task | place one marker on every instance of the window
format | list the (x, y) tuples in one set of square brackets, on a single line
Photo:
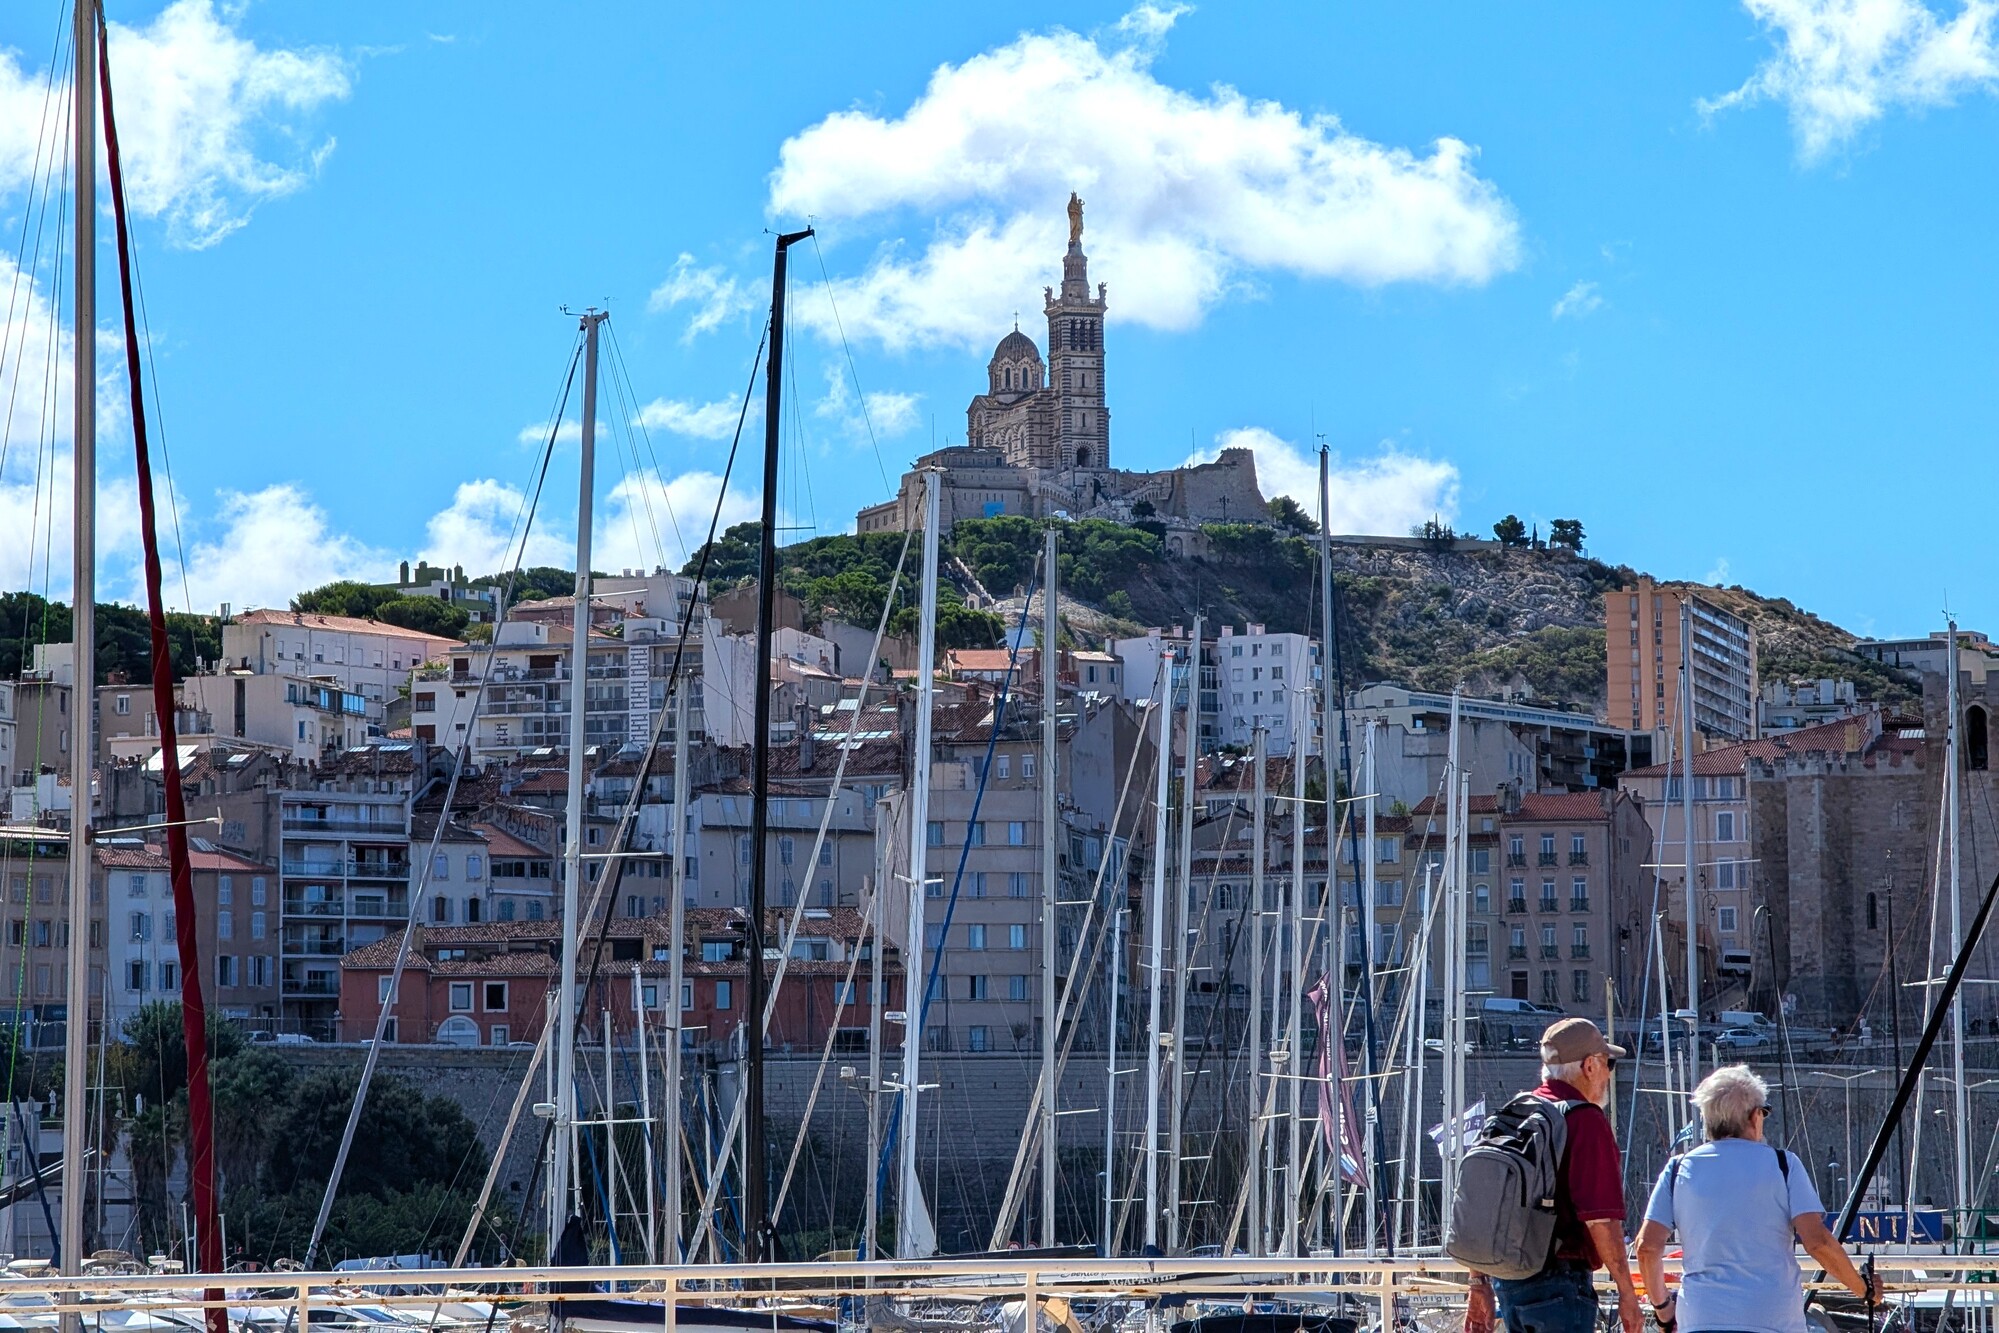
[(1016, 937), (975, 988), (1481, 898), (135, 975), (225, 970), (1004, 767), (461, 997), (1388, 893), (1016, 988), (975, 834), (42, 934), (975, 937), (382, 989), (1551, 992), (440, 910), (137, 888), (475, 866), (1580, 982), (440, 867), (787, 851), (1481, 860), (536, 909), (724, 999), (225, 890), (933, 935), (826, 853), (1388, 850), (258, 891), (979, 1038), (1579, 941), (934, 834), (495, 996), (497, 1035), (1016, 884), (975, 884), (1724, 826), (743, 850), (933, 887), (1547, 895), (260, 969), (1027, 762), (1728, 919), (142, 927), (1724, 875), (1549, 948), (1578, 847), (1579, 894), (686, 996), (1547, 849), (1016, 833)]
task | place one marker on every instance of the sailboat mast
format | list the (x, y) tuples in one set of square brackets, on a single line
[(1110, 1077), (675, 971), (562, 1170), (1960, 1095), (645, 1110), (756, 1213), (1259, 1232), (1368, 896), (1331, 909), (915, 989), (1050, 894), (1291, 970), (1453, 998), (1183, 941), (83, 601), (1692, 870), (1155, 949), (877, 1001)]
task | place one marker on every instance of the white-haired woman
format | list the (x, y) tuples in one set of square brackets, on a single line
[(1741, 1207)]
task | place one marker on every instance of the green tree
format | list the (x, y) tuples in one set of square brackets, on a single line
[(430, 615), (1001, 552), (958, 626), (732, 557), (531, 583), (405, 1138), (344, 597), (1566, 533), (1288, 514), (1510, 531), (1143, 509), (246, 1086)]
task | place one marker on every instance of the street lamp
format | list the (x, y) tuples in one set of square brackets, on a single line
[(1848, 1080)]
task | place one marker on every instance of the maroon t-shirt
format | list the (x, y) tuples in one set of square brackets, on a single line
[(1590, 1179)]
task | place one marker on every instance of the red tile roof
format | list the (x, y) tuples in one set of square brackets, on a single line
[(1847, 735), (344, 624)]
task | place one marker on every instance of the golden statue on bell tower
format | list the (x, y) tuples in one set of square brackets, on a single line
[(1075, 218)]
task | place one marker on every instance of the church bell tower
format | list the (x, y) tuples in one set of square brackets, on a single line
[(1076, 358)]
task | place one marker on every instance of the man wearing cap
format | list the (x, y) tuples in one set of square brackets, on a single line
[(1576, 1065)]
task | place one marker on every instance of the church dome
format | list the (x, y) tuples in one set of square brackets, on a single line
[(1015, 346)]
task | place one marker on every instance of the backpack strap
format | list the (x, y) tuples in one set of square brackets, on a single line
[(1673, 1176), (1783, 1162)]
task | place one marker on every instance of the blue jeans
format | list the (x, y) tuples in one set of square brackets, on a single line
[(1560, 1300)]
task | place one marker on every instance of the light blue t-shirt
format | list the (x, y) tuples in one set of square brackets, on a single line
[(1733, 1208)]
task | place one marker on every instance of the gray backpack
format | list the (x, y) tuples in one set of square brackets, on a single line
[(1502, 1219)]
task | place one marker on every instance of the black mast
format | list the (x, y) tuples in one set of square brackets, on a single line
[(756, 1221)]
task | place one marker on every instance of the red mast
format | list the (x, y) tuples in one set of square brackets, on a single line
[(194, 1011)]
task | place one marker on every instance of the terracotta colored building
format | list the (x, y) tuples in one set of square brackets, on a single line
[(492, 984)]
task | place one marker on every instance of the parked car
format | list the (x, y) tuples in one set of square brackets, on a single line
[(1743, 1039)]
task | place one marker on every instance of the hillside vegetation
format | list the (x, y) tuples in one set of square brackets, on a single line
[(1493, 619)]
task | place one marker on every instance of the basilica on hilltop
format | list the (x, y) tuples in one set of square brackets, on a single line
[(1038, 440)]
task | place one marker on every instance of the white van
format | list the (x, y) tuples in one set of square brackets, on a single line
[(1500, 1006)]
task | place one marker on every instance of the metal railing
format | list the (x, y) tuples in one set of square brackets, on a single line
[(681, 1290)]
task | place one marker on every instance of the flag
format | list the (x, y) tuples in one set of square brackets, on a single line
[(1333, 1083), (1470, 1125)]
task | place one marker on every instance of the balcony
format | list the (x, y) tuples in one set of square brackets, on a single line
[(1578, 951), (1516, 859), (1550, 905), (315, 986), (1516, 951), (1516, 906), (1551, 951), (379, 905), (1578, 858), (315, 948), (379, 870), (1547, 859), (298, 905), (340, 827), (314, 869), (1579, 904)]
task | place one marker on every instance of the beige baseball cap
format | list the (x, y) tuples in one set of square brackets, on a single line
[(1575, 1039)]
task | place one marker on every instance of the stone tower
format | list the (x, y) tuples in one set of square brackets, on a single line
[(1076, 358)]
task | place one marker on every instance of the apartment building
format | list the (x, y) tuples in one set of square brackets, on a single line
[(1642, 661), (34, 950), (1500, 740), (492, 984), (368, 657), (1549, 873), (1250, 678), (236, 935), (305, 716)]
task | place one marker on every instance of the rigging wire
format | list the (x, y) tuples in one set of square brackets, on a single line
[(867, 418)]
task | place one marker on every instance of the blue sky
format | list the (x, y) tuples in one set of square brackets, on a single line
[(1716, 280)]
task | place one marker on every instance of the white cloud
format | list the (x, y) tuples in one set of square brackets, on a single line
[(272, 544), (1840, 65), (699, 421), (648, 521), (1719, 574), (715, 296), (888, 414), (1190, 194), (566, 432), (479, 530), (1386, 495), (211, 124), (1577, 302), (1148, 22)]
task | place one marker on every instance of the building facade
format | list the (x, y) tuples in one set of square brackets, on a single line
[(1642, 662)]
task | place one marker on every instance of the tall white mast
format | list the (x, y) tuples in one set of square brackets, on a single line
[(562, 1169), (83, 602), (1453, 979), (1367, 900), (683, 782), (1692, 872), (1050, 894), (877, 1001), (1291, 969), (1332, 911), (1259, 1231), (1960, 1095), (1111, 1076), (1419, 1059), (651, 1229), (912, 1240), (1155, 932), (1183, 939)]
